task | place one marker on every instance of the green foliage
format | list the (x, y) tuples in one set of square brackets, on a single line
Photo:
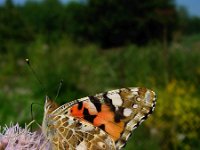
[(107, 23), (13, 28), (187, 24), (193, 25), (87, 70), (114, 23), (176, 120)]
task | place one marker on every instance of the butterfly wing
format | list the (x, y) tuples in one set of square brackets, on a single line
[(116, 112), (66, 132)]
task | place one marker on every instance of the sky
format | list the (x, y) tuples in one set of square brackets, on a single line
[(193, 6)]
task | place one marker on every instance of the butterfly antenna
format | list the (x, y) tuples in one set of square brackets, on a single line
[(60, 85), (35, 75)]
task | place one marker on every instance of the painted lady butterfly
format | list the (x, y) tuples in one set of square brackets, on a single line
[(103, 121)]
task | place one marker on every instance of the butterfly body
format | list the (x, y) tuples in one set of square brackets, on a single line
[(104, 121)]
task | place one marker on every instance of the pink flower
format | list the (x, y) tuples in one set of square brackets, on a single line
[(17, 138)]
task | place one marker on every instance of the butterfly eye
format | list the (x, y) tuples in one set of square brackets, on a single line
[(51, 106)]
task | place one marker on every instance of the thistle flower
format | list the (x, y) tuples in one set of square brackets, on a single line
[(16, 138)]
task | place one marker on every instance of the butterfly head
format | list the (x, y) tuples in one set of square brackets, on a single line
[(50, 105)]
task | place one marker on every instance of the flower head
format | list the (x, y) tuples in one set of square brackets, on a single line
[(15, 137)]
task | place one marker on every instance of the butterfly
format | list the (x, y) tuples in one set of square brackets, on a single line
[(104, 121)]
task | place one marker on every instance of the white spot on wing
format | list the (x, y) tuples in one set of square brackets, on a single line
[(127, 112), (116, 99), (138, 99), (148, 96), (135, 106)]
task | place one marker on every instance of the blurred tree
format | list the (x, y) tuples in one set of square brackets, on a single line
[(13, 27), (108, 23), (193, 26), (188, 24), (183, 17), (115, 23), (9, 4), (76, 21), (46, 17)]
